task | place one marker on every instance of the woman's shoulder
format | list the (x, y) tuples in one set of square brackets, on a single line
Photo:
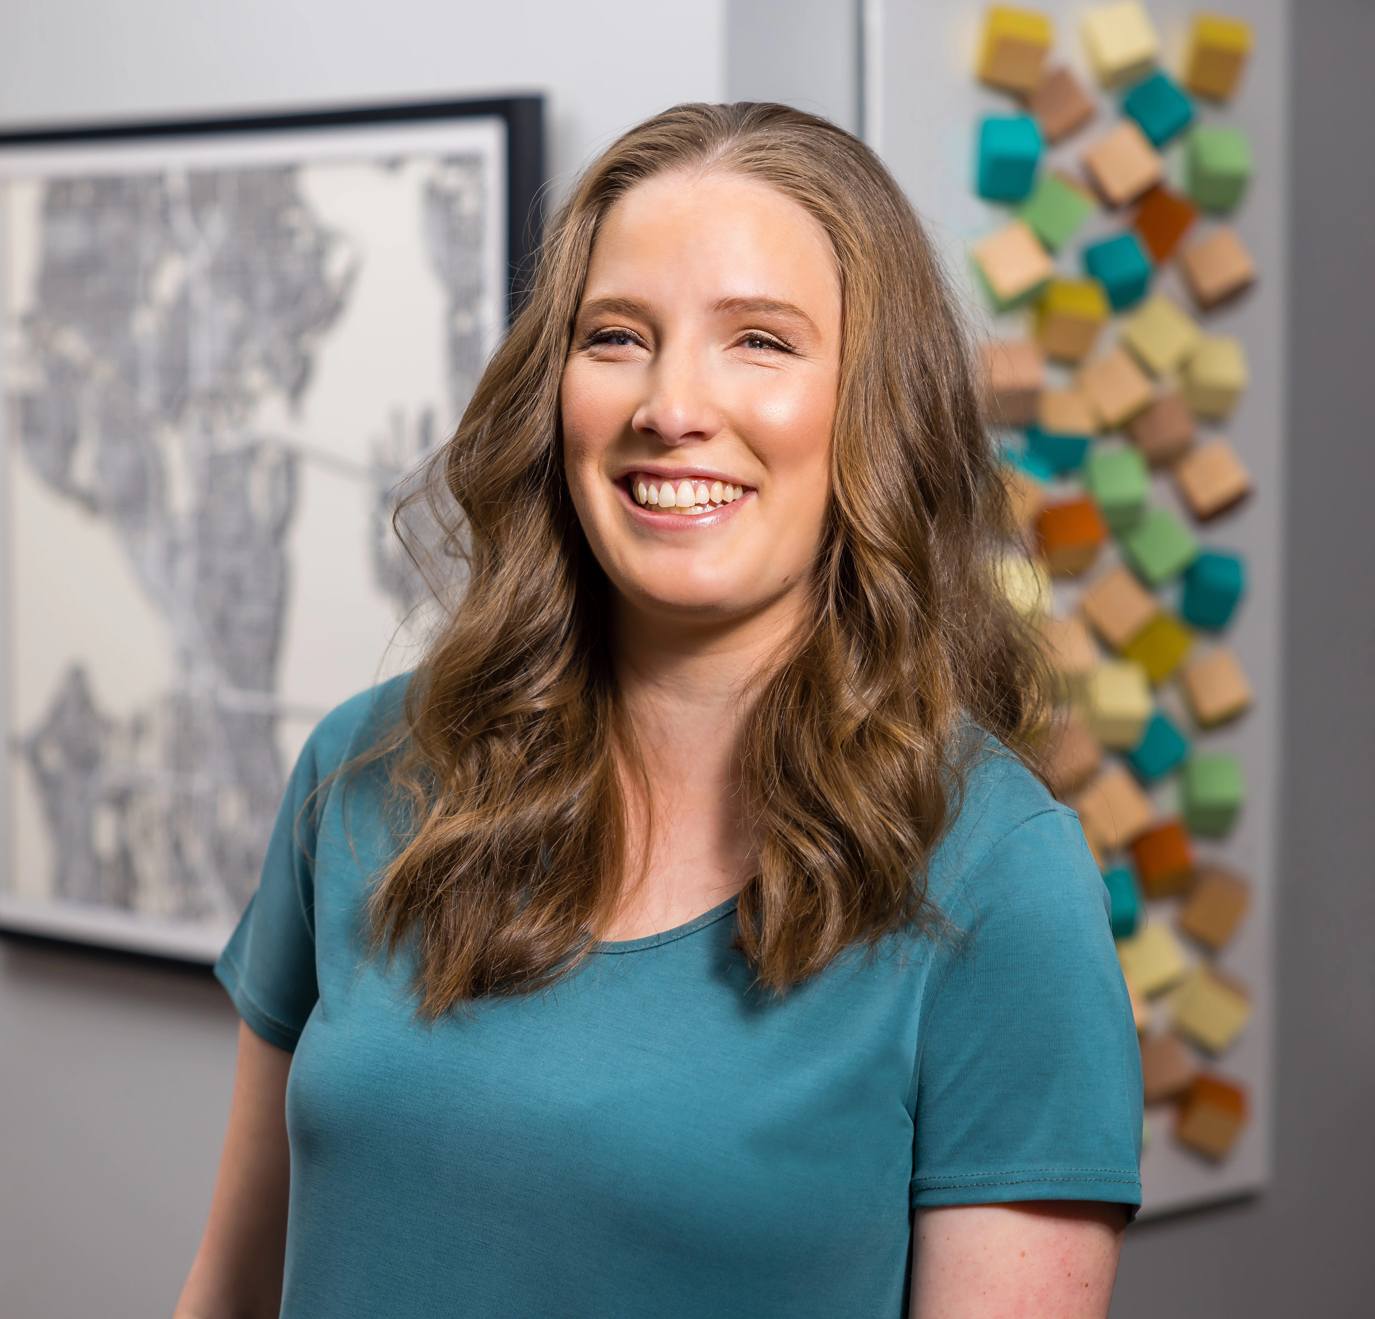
[(356, 726), (1010, 844)]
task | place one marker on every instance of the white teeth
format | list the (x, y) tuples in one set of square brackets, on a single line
[(641, 493), (653, 496), (687, 496), (701, 493), (667, 499), (717, 492)]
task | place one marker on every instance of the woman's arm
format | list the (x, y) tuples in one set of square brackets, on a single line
[(237, 1273), (1045, 1259)]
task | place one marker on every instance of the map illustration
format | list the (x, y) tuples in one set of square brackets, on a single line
[(204, 440)]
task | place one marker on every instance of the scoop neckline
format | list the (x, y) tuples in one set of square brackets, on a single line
[(616, 946)]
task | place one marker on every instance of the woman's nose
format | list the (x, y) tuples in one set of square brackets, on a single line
[(679, 407)]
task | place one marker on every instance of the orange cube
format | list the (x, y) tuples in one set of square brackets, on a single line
[(1212, 1116), (1164, 859), (1161, 221), (1070, 535)]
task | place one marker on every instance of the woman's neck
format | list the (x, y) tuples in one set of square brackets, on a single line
[(686, 691)]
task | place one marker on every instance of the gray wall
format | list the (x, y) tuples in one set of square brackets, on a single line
[(1304, 1248), (115, 1075)]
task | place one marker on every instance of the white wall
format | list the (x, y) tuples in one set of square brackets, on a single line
[(114, 1074), (604, 68)]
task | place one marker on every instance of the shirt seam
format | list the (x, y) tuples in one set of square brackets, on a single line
[(241, 991), (997, 1180), (1007, 1172), (668, 937)]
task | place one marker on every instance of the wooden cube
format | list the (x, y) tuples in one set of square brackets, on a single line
[(1211, 1116), (1013, 375), (1125, 904), (1168, 1068), (1071, 655), (1216, 906), (1152, 960), (1160, 335), (1159, 107), (1141, 1010), (1212, 479), (1118, 607), (1015, 42), (1213, 791), (1216, 688), (1118, 703), (1161, 220), (1217, 268), (1164, 431), (1012, 264), (1123, 164), (1025, 496), (1211, 1009), (1065, 412), (1026, 583), (1161, 750), (1116, 476), (1121, 42), (1069, 317), (1164, 858), (1009, 150), (1072, 755), (1213, 587), (1060, 104), (1116, 388), (1070, 535), (1216, 55), (1113, 809), (1160, 647), (1120, 263), (1159, 547), (1218, 166), (1215, 377)]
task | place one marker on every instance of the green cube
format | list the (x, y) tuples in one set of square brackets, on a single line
[(1213, 790), (1159, 547), (1119, 483), (1218, 167), (1056, 209)]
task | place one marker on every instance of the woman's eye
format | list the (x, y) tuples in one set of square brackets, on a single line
[(611, 339), (758, 341)]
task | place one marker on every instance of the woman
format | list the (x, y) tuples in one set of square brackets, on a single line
[(685, 936)]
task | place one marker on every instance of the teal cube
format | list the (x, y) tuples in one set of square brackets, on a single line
[(1061, 453), (1122, 266), (1213, 585), (1159, 547), (1162, 749), (1030, 462), (1056, 209), (1125, 902), (1009, 148), (1217, 167), (1213, 791), (1159, 107), (1119, 483)]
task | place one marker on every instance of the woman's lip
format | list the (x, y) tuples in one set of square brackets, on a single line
[(693, 474)]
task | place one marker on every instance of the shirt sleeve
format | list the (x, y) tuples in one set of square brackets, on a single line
[(1028, 1082), (268, 965)]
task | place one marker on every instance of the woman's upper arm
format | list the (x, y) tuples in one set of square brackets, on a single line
[(1050, 1259), (237, 1272)]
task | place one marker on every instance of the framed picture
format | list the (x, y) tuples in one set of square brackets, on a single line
[(224, 345)]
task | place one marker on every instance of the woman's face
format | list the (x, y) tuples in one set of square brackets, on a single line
[(703, 375)]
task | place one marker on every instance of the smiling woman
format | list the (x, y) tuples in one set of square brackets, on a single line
[(688, 935)]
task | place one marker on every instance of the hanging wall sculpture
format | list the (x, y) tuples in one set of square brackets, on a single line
[(224, 345), (1118, 380)]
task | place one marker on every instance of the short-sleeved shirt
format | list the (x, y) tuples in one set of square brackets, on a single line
[(653, 1135)]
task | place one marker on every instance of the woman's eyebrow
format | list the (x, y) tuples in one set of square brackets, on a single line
[(765, 306), (614, 306)]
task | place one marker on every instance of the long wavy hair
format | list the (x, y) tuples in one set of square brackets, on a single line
[(508, 761)]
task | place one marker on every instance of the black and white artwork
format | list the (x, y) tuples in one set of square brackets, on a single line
[(222, 352)]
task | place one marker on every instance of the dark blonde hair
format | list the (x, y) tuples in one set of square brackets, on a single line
[(516, 855)]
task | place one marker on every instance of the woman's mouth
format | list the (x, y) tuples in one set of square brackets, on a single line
[(689, 495)]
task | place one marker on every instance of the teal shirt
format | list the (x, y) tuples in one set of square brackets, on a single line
[(652, 1136)]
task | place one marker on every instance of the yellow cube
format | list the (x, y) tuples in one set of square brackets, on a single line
[(1026, 583), (1161, 336), (1015, 45), (1118, 703), (1152, 960), (1215, 376), (1121, 42), (1069, 316), (1217, 53), (1211, 1010), (1160, 647)]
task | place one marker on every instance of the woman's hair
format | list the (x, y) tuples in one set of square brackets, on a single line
[(516, 852)]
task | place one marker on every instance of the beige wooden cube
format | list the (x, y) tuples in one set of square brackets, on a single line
[(1071, 655), (1119, 607), (1164, 431), (1123, 164), (1116, 388), (1217, 904), (1215, 376), (1013, 263), (1161, 336), (1216, 688), (1212, 479), (1217, 268), (1118, 703), (1211, 1009), (1153, 960), (1113, 809), (1072, 754), (1065, 412), (1014, 373), (1060, 104), (1167, 1068)]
